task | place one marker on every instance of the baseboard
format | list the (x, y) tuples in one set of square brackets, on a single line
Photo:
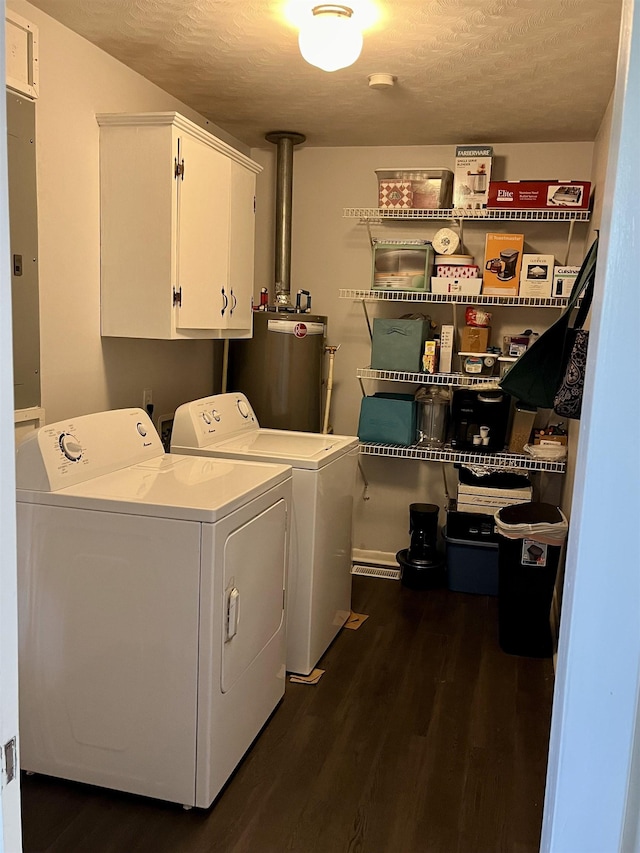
[(374, 558)]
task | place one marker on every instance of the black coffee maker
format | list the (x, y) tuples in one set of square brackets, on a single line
[(479, 420), (421, 566)]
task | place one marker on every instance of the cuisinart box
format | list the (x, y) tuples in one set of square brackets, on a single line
[(539, 194), (536, 275), (471, 176), (563, 280)]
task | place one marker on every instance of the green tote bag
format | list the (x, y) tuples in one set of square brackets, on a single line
[(536, 376)]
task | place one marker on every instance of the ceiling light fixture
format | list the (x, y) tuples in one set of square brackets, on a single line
[(330, 39)]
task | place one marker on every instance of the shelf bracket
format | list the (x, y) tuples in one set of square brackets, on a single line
[(569, 239), (362, 388), (366, 317), (368, 224)]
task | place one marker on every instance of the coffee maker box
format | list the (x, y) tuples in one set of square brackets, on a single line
[(471, 176), (502, 264), (536, 276), (563, 280)]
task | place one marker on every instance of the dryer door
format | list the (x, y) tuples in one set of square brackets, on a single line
[(254, 581)]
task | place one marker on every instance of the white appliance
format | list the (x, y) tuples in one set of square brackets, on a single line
[(319, 589), (151, 607)]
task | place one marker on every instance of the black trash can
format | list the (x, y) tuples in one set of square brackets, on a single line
[(529, 545)]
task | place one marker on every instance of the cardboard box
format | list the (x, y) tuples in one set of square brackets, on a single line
[(543, 437), (457, 270), (475, 338), (431, 357), (502, 264), (471, 176), (465, 286), (402, 265), (446, 348), (522, 494), (398, 344), (388, 419), (522, 195), (536, 275), (563, 280)]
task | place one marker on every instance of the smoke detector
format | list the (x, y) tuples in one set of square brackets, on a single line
[(381, 81)]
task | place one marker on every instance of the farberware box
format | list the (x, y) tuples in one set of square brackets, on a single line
[(519, 195), (471, 176)]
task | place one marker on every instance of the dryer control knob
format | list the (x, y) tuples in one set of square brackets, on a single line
[(70, 447), (206, 417), (243, 408), (215, 415), (141, 429)]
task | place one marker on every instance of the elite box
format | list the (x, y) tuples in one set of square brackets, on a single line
[(544, 195)]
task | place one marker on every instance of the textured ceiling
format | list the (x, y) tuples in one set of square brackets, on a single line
[(467, 70)]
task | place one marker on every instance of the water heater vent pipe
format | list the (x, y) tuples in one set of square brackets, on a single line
[(284, 141)]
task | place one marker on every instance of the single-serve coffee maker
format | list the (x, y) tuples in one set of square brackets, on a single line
[(479, 420), (421, 564), (505, 266)]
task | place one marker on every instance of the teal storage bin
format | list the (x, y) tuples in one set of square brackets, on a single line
[(399, 344), (388, 419)]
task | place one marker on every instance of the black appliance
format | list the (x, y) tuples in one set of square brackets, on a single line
[(479, 420), (421, 566)]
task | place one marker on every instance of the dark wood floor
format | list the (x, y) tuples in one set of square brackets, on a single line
[(422, 736)]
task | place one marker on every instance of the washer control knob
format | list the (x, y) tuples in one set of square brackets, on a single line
[(243, 409), (206, 417), (141, 429), (215, 414), (70, 447)]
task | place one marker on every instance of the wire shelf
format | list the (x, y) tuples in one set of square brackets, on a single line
[(446, 454), (375, 214), (425, 378), (447, 298)]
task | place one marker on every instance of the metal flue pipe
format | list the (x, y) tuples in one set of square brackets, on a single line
[(284, 140)]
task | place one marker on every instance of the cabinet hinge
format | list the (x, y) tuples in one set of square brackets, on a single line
[(177, 296), (179, 169)]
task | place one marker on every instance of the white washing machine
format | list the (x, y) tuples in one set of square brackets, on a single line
[(151, 607), (319, 590)]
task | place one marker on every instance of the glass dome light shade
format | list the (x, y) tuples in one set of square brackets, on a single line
[(331, 39)]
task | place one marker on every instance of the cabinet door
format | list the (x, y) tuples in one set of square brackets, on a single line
[(203, 235), (242, 236)]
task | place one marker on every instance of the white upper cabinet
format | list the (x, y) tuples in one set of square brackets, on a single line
[(177, 230)]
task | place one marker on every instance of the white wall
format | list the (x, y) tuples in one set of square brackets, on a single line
[(330, 253), (81, 372)]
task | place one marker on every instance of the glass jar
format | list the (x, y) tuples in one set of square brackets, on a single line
[(433, 416)]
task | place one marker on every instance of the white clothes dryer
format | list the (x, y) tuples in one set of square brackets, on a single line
[(319, 590), (151, 607)]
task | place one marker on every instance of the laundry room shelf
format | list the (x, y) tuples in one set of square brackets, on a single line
[(375, 214), (448, 298), (446, 454), (445, 379)]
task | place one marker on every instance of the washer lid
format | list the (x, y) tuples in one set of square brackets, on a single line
[(192, 488), (299, 449)]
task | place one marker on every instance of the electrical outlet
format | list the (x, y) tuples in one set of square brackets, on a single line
[(147, 398)]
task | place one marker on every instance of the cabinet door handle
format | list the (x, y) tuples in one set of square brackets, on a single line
[(225, 302), (234, 302)]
